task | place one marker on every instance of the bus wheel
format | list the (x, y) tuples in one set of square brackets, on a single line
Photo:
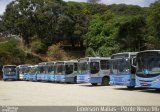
[(130, 87), (105, 81), (4, 79), (94, 84)]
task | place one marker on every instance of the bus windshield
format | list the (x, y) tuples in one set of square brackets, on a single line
[(83, 67), (94, 67), (120, 66), (59, 68), (41, 69), (51, 69), (123, 66), (148, 64), (68, 69), (9, 69), (22, 70), (27, 70), (33, 70)]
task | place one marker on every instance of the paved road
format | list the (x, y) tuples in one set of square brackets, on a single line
[(21, 93)]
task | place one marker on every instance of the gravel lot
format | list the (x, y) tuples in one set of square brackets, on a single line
[(21, 93)]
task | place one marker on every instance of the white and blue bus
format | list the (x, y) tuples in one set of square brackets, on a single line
[(9, 72), (59, 71), (49, 76), (43, 70), (71, 71), (66, 71), (121, 70), (99, 70), (148, 69), (21, 70), (26, 73), (83, 70), (32, 75)]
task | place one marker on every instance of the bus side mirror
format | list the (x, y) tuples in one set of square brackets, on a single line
[(134, 62)]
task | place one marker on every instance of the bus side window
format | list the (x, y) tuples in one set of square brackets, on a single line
[(104, 64)]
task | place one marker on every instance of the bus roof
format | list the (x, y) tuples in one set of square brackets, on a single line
[(123, 55), (51, 63), (69, 61), (42, 63), (149, 51), (126, 53), (94, 58), (9, 66), (24, 65)]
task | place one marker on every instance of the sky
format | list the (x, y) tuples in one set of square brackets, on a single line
[(142, 3)]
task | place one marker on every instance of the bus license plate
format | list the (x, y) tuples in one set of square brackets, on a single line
[(144, 84)]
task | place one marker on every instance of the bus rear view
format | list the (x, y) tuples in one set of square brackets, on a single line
[(148, 69), (9, 72)]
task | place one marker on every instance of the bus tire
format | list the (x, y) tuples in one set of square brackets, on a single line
[(94, 84), (130, 87), (4, 79), (105, 81)]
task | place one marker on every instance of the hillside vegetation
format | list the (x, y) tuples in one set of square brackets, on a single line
[(58, 30)]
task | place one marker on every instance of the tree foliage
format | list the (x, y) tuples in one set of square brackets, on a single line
[(153, 29), (101, 29)]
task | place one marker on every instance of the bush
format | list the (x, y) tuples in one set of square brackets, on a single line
[(10, 54), (56, 52), (89, 52), (32, 59), (37, 46)]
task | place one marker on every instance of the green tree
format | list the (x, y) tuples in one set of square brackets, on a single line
[(153, 23), (102, 33), (122, 9), (131, 33), (8, 50)]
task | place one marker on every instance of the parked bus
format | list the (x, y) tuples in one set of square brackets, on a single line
[(83, 69), (9, 72), (43, 69), (148, 69), (99, 70), (20, 71), (122, 72), (59, 71), (32, 75), (71, 71), (49, 76), (66, 71), (26, 73)]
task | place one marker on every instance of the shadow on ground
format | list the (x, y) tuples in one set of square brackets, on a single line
[(140, 89)]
